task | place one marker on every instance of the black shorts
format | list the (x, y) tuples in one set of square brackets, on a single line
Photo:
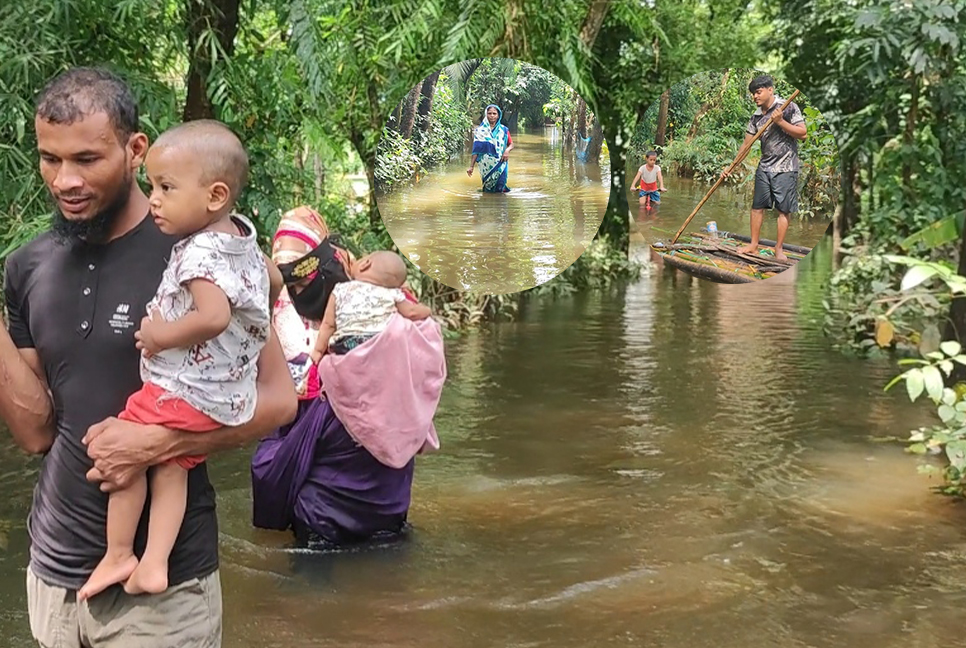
[(776, 191)]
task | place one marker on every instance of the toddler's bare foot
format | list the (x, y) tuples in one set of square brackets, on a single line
[(111, 570), (148, 578)]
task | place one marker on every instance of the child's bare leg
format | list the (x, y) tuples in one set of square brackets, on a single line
[(123, 512), (169, 494)]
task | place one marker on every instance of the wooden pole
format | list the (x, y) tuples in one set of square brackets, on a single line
[(742, 154)]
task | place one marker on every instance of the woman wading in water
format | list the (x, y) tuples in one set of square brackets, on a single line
[(491, 147)]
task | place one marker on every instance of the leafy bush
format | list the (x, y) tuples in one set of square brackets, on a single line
[(949, 435)]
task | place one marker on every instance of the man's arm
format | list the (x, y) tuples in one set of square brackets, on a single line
[(25, 401), (25, 404), (799, 131), (121, 449), (275, 281)]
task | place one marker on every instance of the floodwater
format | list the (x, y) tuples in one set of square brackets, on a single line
[(729, 207), (671, 463), (501, 243)]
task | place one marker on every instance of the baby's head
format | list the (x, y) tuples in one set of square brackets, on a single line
[(197, 171), (382, 268)]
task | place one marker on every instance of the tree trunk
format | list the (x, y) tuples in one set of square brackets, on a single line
[(616, 224), (222, 16), (596, 142), (908, 140), (848, 214), (593, 22), (426, 100), (660, 137), (409, 111), (581, 118), (956, 327), (706, 106)]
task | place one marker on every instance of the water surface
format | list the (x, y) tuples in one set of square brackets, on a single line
[(673, 463), (501, 243), (729, 207)]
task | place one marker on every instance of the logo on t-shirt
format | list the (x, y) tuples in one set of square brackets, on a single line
[(121, 320)]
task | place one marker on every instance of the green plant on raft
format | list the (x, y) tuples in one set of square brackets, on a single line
[(949, 436)]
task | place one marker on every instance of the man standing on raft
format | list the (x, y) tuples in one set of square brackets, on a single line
[(776, 179)]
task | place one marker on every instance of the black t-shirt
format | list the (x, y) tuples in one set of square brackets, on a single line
[(79, 305)]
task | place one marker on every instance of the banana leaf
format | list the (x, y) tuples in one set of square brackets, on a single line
[(939, 233)]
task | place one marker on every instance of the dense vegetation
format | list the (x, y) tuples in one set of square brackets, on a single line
[(434, 121), (890, 77), (311, 84), (699, 125)]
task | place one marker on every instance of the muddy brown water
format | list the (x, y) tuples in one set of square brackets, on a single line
[(672, 463), (501, 243)]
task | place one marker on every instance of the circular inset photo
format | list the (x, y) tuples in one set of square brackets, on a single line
[(733, 176), (492, 176)]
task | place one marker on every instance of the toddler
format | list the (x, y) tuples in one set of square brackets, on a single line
[(200, 341), (361, 308), (650, 176)]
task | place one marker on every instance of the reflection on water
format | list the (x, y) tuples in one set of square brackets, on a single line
[(495, 243), (728, 206), (675, 463)]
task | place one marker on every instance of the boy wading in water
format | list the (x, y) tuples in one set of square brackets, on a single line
[(650, 176), (200, 342), (776, 179)]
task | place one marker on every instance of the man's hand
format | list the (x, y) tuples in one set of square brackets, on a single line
[(146, 336), (123, 450), (779, 117)]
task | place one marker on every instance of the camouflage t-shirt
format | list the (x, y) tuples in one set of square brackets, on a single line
[(779, 150)]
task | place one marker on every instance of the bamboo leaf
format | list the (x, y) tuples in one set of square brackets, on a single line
[(917, 275)]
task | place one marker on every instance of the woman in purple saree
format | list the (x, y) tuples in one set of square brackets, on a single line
[(311, 476)]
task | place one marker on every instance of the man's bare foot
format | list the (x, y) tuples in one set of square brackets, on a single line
[(748, 249), (781, 256), (109, 571), (147, 579)]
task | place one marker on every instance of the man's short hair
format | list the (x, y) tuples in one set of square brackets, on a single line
[(221, 155), (763, 81), (83, 91)]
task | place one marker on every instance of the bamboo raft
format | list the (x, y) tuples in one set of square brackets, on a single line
[(716, 257)]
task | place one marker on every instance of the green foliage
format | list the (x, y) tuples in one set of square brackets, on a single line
[(600, 266), (310, 84), (820, 178), (524, 92), (891, 75), (707, 116), (949, 435), (874, 304)]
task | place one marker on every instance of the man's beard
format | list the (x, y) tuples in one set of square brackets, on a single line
[(96, 228)]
